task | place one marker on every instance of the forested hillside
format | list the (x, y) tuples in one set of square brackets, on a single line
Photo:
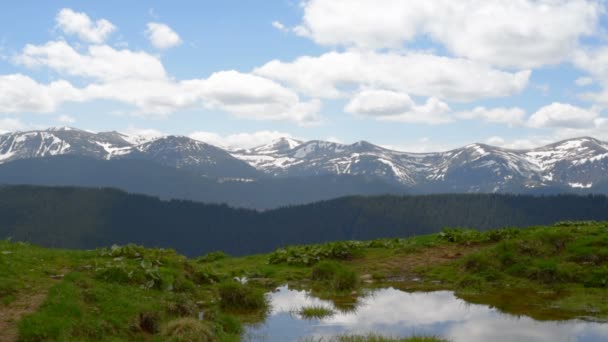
[(88, 218)]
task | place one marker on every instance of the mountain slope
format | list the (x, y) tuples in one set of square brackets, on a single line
[(149, 177), (177, 152)]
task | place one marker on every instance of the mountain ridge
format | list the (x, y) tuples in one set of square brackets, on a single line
[(571, 164)]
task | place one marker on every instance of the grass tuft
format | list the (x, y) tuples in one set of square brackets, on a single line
[(315, 312), (187, 330), (241, 297)]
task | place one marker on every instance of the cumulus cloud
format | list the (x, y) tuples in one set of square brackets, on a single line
[(11, 125), (380, 103), (81, 25), (521, 33), (255, 97), (583, 81), (99, 62), (140, 79), (392, 106), (22, 94), (333, 74), (239, 140), (279, 26), (595, 62), (162, 36), (495, 141), (66, 119), (510, 116), (562, 115)]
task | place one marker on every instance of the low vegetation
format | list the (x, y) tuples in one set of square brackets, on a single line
[(315, 312), (136, 293), (335, 276), (236, 296)]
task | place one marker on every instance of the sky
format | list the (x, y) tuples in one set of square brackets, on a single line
[(418, 75)]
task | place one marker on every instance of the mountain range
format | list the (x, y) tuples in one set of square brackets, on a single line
[(280, 171)]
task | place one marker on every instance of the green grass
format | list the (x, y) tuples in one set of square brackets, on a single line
[(136, 293), (315, 312), (567, 261), (235, 296)]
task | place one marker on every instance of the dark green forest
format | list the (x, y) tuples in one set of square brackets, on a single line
[(69, 217)]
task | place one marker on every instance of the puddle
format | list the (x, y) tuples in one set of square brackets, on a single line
[(401, 314)]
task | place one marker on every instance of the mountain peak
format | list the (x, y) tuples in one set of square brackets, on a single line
[(277, 146)]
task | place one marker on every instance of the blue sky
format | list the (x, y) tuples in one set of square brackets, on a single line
[(417, 76)]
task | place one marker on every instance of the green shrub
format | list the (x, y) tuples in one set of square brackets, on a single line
[(545, 271), (325, 270), (476, 263), (205, 276), (502, 234), (311, 254), (230, 324), (237, 296), (212, 256), (461, 236), (338, 277), (597, 277), (345, 279)]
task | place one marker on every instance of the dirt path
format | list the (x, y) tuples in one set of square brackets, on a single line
[(405, 265), (12, 313)]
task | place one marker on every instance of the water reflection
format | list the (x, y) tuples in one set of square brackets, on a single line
[(397, 313)]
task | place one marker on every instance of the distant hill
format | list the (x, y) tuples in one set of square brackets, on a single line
[(87, 218)]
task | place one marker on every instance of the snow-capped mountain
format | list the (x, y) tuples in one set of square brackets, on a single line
[(573, 164), (178, 152), (60, 141)]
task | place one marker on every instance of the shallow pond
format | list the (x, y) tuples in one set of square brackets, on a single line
[(397, 313)]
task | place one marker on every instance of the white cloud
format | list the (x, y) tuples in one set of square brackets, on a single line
[(239, 140), (392, 106), (11, 125), (595, 62), (100, 62), (139, 79), (380, 103), (510, 116), (519, 33), (20, 93), (561, 115), (423, 145), (66, 119), (495, 141), (583, 81), (335, 74), (162, 36), (80, 24), (279, 26), (254, 97)]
